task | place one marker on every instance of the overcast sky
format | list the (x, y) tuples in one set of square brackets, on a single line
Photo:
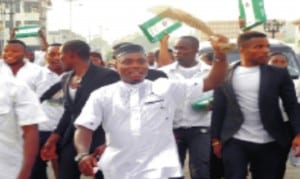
[(115, 18)]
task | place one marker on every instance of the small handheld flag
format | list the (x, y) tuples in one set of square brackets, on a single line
[(157, 27), (190, 20), (27, 31), (252, 12), (205, 103)]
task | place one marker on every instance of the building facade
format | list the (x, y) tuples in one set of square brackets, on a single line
[(63, 35), (16, 13), (297, 34)]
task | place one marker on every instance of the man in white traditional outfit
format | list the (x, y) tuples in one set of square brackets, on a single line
[(14, 64), (136, 115), (20, 112)]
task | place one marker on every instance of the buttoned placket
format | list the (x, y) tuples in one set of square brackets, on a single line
[(135, 110)]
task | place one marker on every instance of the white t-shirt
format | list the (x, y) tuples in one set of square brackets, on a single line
[(139, 131), (246, 81), (19, 106), (185, 115)]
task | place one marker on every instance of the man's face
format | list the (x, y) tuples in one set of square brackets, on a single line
[(184, 51), (13, 54), (255, 51), (132, 67), (151, 58), (66, 59), (279, 61), (96, 60), (53, 57), (29, 55)]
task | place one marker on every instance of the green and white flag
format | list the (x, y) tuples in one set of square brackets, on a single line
[(252, 12), (27, 31), (157, 27)]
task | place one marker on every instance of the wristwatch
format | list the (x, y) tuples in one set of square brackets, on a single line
[(79, 156)]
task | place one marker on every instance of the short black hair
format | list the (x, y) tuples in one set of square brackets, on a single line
[(79, 47), (96, 54), (15, 41), (192, 39), (55, 45), (249, 35), (156, 53), (209, 56), (278, 53)]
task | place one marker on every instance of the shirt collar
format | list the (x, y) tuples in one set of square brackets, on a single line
[(201, 65), (128, 86)]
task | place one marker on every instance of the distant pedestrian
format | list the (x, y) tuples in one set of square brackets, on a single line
[(96, 58)]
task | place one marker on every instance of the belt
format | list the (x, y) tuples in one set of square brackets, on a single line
[(201, 128)]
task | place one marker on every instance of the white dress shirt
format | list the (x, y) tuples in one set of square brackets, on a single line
[(185, 115), (52, 107), (19, 106), (35, 76), (137, 120), (39, 79)]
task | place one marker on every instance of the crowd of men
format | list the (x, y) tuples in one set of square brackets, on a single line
[(130, 121)]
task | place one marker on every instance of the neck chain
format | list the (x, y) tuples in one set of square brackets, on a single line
[(77, 79)]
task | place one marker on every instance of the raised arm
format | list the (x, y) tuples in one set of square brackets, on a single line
[(12, 34), (44, 43), (163, 56), (219, 66)]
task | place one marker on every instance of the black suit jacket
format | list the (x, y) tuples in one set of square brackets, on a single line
[(152, 75), (94, 78), (155, 74), (275, 83)]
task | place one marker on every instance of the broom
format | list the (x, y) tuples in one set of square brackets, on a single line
[(190, 20)]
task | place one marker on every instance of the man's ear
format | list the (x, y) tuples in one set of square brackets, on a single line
[(72, 55), (241, 49), (116, 65)]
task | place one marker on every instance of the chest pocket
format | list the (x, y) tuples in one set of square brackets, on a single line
[(155, 107)]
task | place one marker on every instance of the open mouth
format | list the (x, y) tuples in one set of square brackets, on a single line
[(136, 74), (9, 59)]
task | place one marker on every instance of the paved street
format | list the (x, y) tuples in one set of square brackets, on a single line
[(291, 173)]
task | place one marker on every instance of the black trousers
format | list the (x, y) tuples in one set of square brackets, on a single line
[(216, 167), (39, 170), (196, 141), (266, 161), (67, 167)]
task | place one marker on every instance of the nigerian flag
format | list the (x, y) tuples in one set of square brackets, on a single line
[(252, 12), (156, 28), (27, 31)]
